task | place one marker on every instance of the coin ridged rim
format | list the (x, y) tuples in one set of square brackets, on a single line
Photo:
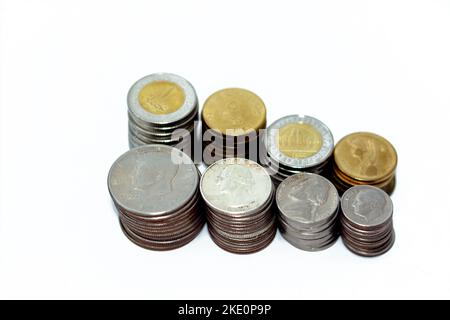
[(351, 218), (134, 106), (322, 155), (186, 160)]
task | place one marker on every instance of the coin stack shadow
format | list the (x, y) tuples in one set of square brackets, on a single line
[(364, 158), (158, 201), (296, 144), (162, 109), (231, 122), (366, 219), (239, 206), (308, 210)]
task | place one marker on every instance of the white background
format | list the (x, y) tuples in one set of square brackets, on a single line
[(66, 67)]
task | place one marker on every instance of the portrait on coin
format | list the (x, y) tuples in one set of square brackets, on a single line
[(236, 185), (148, 177), (306, 197), (367, 153), (369, 204)]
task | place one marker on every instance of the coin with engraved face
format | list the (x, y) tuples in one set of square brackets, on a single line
[(307, 198), (152, 180), (366, 206), (234, 112), (365, 157), (236, 186), (299, 142)]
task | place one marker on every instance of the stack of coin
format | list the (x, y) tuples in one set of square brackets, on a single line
[(232, 119), (162, 109), (239, 198), (308, 207), (367, 227), (155, 191), (364, 158), (297, 144)]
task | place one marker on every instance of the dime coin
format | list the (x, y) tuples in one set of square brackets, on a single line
[(366, 220)]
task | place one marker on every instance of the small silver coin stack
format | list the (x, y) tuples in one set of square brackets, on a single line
[(162, 109), (155, 191), (367, 225), (297, 144), (239, 196), (308, 206)]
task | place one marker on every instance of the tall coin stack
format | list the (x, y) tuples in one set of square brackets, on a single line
[(364, 158), (239, 197), (297, 144), (367, 226), (155, 191), (308, 207), (232, 120), (162, 109)]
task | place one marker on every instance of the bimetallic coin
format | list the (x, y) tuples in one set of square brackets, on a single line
[(299, 142), (236, 186), (161, 98), (234, 111)]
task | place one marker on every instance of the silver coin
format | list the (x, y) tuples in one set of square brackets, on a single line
[(366, 206), (271, 143), (153, 180), (307, 198), (138, 112), (312, 247), (235, 186)]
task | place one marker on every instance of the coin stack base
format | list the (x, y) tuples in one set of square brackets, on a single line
[(239, 196), (367, 225), (308, 207)]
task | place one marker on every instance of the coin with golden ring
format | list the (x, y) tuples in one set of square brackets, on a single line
[(234, 111), (162, 99), (299, 142), (365, 156)]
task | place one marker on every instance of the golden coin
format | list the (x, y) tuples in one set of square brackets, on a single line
[(161, 97), (234, 112), (299, 140), (348, 180), (365, 157)]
